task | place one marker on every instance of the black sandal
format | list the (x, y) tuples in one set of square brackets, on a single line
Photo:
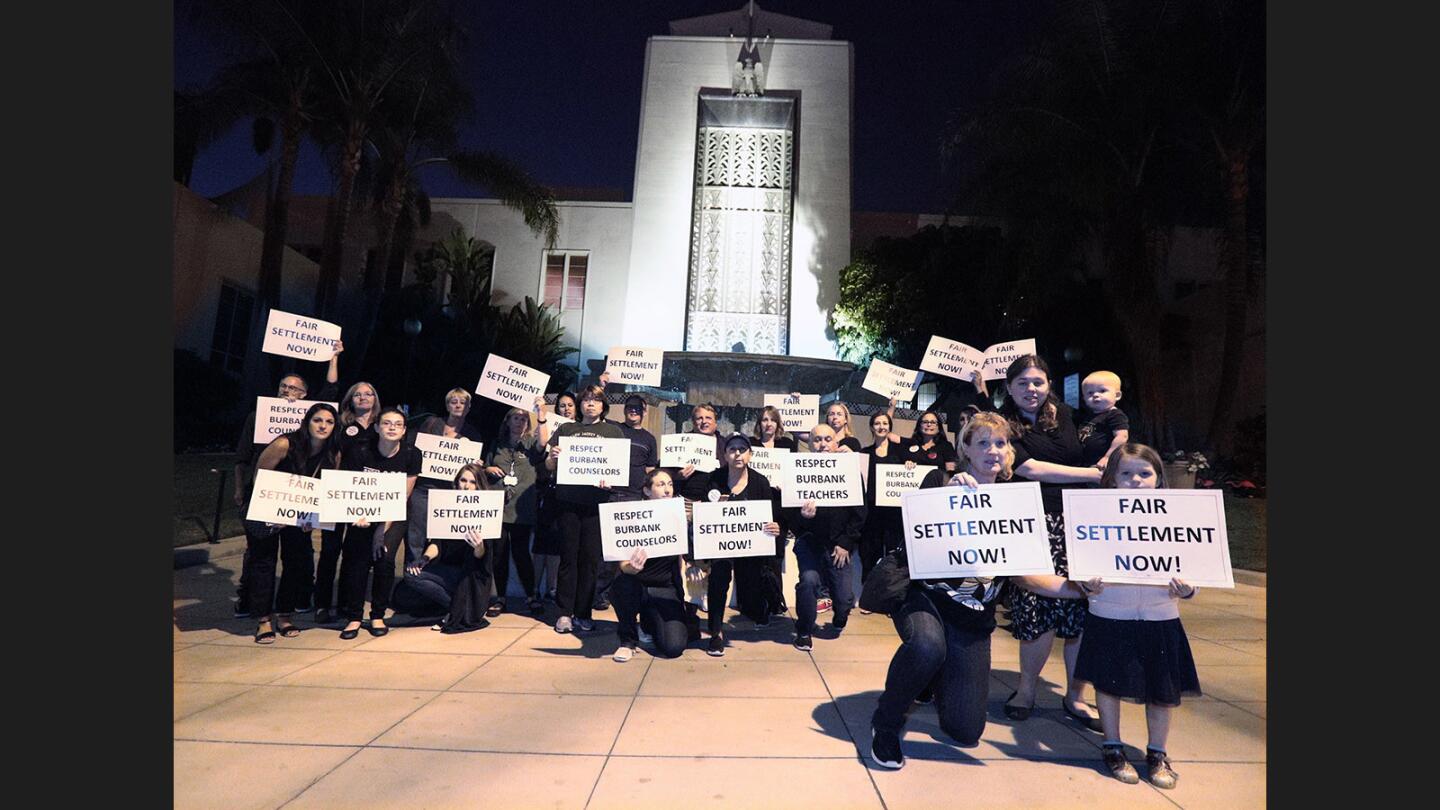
[(288, 630), (495, 609), (1017, 712), (267, 637)]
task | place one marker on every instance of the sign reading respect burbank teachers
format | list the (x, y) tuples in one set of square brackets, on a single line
[(510, 382), (441, 458), (588, 462), (275, 416), (347, 496), (1148, 536), (828, 479), (451, 513), (303, 338), (986, 531), (732, 529), (656, 526)]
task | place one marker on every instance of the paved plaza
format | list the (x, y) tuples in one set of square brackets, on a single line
[(517, 716)]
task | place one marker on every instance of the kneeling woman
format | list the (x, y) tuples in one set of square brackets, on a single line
[(452, 578), (945, 625), (650, 587)]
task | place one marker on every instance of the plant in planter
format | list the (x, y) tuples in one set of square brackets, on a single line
[(1181, 468)]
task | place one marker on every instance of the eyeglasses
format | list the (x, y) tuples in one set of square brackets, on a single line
[(390, 423), (296, 388)]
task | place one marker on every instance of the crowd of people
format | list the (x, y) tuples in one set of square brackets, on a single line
[(1124, 640)]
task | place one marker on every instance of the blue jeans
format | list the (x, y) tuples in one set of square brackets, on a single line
[(934, 652), (817, 567)]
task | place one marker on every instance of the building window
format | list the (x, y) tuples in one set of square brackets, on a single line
[(564, 284), (232, 328), (925, 395)]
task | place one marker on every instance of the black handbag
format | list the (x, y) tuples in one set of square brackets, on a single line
[(885, 588)]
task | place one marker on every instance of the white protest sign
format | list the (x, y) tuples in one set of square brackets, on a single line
[(296, 336), (828, 479), (732, 529), (1148, 536), (894, 480), (797, 414), (891, 381), (766, 461), (951, 358), (442, 458), (634, 365), (510, 382), (347, 496), (992, 530), (1001, 355), (679, 449), (555, 420), (275, 416), (657, 526), (290, 500), (587, 462), (453, 512)]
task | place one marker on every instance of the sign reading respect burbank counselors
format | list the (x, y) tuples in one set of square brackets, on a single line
[(304, 338), (510, 382), (286, 499), (991, 530), (828, 479), (679, 449), (588, 462), (454, 512), (347, 496), (732, 529), (894, 480), (797, 414), (1148, 536), (441, 458), (634, 365), (275, 416), (656, 526)]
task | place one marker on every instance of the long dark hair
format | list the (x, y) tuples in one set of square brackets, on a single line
[(941, 439), (1048, 417), (299, 439)]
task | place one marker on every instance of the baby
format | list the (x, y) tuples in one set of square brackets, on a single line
[(1105, 427)]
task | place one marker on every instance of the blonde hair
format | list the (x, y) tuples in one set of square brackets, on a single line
[(845, 431), (992, 424), (502, 437), (458, 392), (1101, 377), (347, 405)]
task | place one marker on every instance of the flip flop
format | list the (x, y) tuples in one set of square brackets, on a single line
[(267, 637)]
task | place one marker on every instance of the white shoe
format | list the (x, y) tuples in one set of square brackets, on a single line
[(564, 625), (624, 653)]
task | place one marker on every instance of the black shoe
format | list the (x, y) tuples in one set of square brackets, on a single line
[(804, 642), (1092, 723), (601, 604), (377, 631), (1017, 712), (885, 749), (926, 697), (717, 646), (242, 609), (349, 634)]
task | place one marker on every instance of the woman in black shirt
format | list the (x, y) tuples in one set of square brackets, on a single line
[(452, 576), (929, 446), (355, 431), (770, 430), (883, 529), (651, 586)]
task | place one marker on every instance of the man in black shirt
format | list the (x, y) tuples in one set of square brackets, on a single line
[(825, 536), (644, 457)]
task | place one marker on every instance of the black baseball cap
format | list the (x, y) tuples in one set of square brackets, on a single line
[(737, 437)]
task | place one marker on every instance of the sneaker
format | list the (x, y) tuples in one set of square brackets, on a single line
[(242, 609), (803, 642), (1119, 766), (584, 625), (717, 646), (1161, 775), (624, 653), (564, 625), (822, 605), (885, 749)]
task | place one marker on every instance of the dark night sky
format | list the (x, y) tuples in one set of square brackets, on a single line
[(557, 87)]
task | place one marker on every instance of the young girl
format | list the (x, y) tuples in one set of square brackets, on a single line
[(1135, 648), (651, 585)]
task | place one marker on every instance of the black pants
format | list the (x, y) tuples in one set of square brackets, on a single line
[(330, 543), (580, 558), (296, 557), (513, 543), (884, 531), (756, 589), (358, 562), (936, 653), (663, 611)]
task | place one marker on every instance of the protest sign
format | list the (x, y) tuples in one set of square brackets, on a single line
[(453, 512), (1148, 536), (657, 526), (555, 420), (891, 381), (275, 416), (302, 338), (991, 530), (679, 449), (999, 357), (766, 461), (894, 480), (951, 358), (286, 499), (347, 496), (633, 365), (797, 414), (511, 383), (441, 458), (587, 461), (732, 529), (828, 479)]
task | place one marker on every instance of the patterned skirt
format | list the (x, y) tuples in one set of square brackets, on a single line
[(1031, 615)]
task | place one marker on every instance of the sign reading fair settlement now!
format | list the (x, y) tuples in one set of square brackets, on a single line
[(286, 499), (797, 414), (999, 357), (347, 496), (732, 529), (891, 381), (657, 526), (988, 531), (1148, 536), (510, 382), (894, 480), (828, 479), (454, 512), (767, 461), (295, 336), (275, 416), (679, 449), (587, 462), (441, 458), (634, 365)]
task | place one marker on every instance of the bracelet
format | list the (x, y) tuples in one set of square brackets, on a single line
[(539, 421)]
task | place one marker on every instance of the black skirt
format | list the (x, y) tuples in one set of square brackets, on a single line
[(472, 596), (1138, 661)]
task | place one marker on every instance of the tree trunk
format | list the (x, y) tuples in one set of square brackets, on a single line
[(337, 223), (377, 269), (1236, 298), (1133, 253)]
